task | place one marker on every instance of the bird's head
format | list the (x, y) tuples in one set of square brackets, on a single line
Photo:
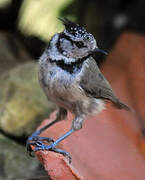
[(75, 42)]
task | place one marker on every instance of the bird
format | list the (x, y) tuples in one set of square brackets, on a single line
[(71, 78)]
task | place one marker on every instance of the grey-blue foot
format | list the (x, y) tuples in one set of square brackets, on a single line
[(35, 140), (39, 144)]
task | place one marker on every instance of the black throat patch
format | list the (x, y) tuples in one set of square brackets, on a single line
[(72, 67)]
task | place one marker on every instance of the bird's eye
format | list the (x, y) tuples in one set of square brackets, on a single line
[(79, 44)]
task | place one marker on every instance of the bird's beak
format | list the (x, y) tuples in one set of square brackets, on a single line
[(99, 50)]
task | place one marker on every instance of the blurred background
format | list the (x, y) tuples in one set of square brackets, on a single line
[(26, 27)]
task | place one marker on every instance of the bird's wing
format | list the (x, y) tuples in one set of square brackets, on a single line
[(95, 85)]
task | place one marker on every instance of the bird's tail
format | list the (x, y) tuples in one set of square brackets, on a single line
[(121, 105)]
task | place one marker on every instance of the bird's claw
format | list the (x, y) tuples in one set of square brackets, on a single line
[(39, 145), (51, 147), (64, 153), (36, 141)]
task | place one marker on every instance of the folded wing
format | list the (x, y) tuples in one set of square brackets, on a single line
[(95, 85)]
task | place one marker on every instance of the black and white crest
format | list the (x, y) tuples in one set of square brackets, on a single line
[(75, 29)]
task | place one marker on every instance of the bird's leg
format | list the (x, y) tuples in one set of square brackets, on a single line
[(35, 138), (76, 125)]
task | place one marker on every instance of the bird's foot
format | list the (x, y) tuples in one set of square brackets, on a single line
[(34, 140), (37, 141)]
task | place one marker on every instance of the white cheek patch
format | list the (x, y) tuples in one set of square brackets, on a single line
[(65, 44), (55, 54)]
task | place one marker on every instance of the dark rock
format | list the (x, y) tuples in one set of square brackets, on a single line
[(15, 163), (12, 52)]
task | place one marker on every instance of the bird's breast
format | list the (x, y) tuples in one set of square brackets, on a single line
[(63, 88), (59, 85)]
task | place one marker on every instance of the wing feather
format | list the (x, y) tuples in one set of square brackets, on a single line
[(95, 84)]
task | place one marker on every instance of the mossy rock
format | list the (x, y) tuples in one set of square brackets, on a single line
[(23, 104), (15, 163)]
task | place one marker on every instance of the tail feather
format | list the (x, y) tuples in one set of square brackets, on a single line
[(121, 105)]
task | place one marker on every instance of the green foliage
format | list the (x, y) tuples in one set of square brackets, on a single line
[(39, 18), (4, 3)]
